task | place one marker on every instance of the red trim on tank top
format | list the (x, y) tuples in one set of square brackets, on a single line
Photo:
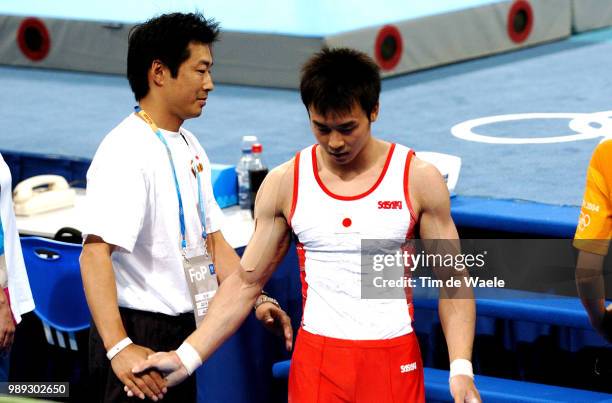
[(413, 217), (296, 184), (315, 168), (301, 255)]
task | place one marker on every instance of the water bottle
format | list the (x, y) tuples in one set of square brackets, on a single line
[(257, 172), (242, 172)]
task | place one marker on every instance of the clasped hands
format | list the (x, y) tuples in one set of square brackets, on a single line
[(147, 374)]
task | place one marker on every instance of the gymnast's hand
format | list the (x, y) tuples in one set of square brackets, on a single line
[(168, 363), (463, 390), (276, 321)]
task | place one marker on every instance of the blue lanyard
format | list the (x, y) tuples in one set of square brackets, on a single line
[(196, 168)]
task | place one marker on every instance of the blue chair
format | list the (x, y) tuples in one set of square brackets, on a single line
[(55, 280)]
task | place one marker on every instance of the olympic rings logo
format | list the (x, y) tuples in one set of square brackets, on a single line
[(584, 221), (586, 126)]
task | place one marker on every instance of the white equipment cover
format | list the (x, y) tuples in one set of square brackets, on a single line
[(591, 14), (274, 59)]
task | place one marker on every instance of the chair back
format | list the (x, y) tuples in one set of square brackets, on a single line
[(55, 280)]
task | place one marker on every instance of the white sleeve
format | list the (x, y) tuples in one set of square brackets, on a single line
[(116, 198), (18, 283), (214, 216)]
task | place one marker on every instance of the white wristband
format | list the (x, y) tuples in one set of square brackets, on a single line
[(189, 357), (116, 349), (461, 366)]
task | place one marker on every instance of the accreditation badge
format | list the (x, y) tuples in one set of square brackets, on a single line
[(202, 280)]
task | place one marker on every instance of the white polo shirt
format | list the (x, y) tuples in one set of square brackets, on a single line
[(18, 284), (132, 203)]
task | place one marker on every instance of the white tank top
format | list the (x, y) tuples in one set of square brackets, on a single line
[(329, 229)]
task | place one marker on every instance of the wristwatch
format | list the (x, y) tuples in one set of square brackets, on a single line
[(263, 298)]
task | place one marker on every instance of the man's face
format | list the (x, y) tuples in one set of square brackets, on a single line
[(187, 93), (342, 136)]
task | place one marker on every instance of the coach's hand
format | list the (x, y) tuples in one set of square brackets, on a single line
[(463, 390), (149, 383), (277, 321)]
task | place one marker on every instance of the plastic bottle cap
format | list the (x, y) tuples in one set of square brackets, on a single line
[(257, 148)]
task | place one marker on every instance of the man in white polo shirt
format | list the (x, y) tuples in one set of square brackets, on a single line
[(152, 221)]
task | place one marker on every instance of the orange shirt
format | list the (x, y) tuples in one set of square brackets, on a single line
[(594, 229)]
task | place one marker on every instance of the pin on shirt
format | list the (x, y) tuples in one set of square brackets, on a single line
[(196, 164)]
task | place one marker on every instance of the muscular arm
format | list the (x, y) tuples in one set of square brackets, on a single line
[(457, 312), (271, 316), (457, 315), (236, 295), (238, 292)]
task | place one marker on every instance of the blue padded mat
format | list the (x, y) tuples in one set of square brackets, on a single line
[(69, 113), (508, 391), (515, 216), (491, 389)]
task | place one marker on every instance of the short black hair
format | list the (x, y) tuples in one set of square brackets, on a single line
[(165, 38), (333, 80)]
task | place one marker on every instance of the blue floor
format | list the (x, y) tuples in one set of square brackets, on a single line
[(69, 113), (299, 17)]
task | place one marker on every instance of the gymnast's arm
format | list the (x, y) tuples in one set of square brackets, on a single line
[(457, 312), (238, 292)]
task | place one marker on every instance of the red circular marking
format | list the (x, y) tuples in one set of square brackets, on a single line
[(388, 31), (45, 45), (517, 7), (347, 222)]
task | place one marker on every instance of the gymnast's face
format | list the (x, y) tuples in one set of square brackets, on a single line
[(186, 94), (342, 136)]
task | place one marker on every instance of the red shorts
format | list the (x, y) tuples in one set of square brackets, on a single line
[(324, 370)]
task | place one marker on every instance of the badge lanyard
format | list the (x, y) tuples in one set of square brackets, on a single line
[(199, 270), (145, 116)]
